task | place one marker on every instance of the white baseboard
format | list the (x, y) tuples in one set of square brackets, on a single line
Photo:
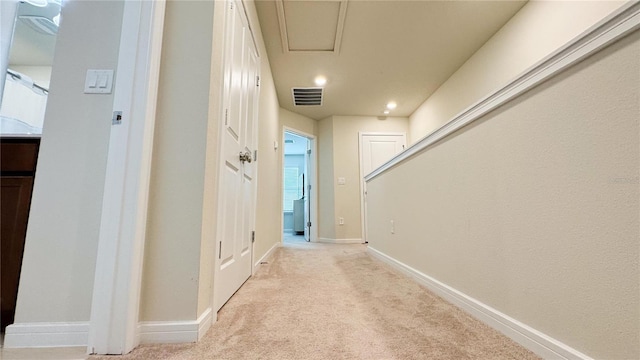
[(265, 257), (57, 334), (340, 241), (532, 339), (157, 332)]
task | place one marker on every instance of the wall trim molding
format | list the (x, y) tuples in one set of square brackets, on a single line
[(265, 257), (543, 345), (50, 334), (610, 29), (339, 241), (116, 294), (157, 332)]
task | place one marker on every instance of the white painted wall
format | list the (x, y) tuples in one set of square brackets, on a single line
[(170, 281), (269, 197), (326, 182), (538, 29), (60, 251), (180, 248), (533, 209), (298, 122), (339, 157)]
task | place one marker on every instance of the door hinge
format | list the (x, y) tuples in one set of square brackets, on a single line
[(309, 224), (253, 236), (258, 80), (255, 155), (309, 152), (231, 5), (226, 117), (220, 250)]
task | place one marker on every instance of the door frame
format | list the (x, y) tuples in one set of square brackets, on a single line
[(312, 169), (113, 326), (363, 184)]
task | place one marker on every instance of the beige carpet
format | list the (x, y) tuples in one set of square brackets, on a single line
[(325, 301)]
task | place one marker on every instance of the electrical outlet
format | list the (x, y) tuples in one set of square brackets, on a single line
[(393, 227), (341, 221)]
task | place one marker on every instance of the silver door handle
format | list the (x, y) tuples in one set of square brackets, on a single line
[(245, 157)]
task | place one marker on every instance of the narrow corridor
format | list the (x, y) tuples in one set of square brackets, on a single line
[(327, 301)]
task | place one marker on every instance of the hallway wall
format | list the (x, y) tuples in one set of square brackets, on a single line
[(537, 30), (269, 199), (533, 209), (181, 234), (170, 283), (326, 183), (56, 283), (340, 157), (297, 122)]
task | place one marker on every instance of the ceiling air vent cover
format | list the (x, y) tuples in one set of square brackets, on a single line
[(311, 96)]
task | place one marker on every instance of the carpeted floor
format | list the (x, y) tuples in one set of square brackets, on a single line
[(325, 301)]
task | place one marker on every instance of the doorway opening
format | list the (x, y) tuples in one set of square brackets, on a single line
[(297, 185)]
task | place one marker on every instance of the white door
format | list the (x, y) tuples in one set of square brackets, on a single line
[(238, 171), (375, 150)]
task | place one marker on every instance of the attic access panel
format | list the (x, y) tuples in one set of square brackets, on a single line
[(311, 26)]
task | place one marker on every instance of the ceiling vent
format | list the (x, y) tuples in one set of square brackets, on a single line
[(311, 96)]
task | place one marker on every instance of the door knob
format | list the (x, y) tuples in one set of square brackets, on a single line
[(245, 157)]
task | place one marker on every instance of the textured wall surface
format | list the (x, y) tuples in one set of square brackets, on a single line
[(56, 283), (340, 157), (533, 210), (172, 248), (538, 29)]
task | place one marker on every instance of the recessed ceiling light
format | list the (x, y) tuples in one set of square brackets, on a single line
[(392, 105), (320, 80), (386, 112)]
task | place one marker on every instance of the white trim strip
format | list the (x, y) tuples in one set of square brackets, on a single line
[(158, 332), (35, 335), (339, 241), (532, 339), (609, 30), (118, 271)]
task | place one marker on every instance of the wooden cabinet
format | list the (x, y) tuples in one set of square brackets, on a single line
[(18, 157)]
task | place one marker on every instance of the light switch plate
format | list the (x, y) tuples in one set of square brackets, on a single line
[(342, 181), (98, 82)]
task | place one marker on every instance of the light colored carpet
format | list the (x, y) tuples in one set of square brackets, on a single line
[(326, 301)]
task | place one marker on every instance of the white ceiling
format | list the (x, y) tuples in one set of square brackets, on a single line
[(396, 50)]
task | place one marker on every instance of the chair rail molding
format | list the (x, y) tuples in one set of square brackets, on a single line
[(610, 29)]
